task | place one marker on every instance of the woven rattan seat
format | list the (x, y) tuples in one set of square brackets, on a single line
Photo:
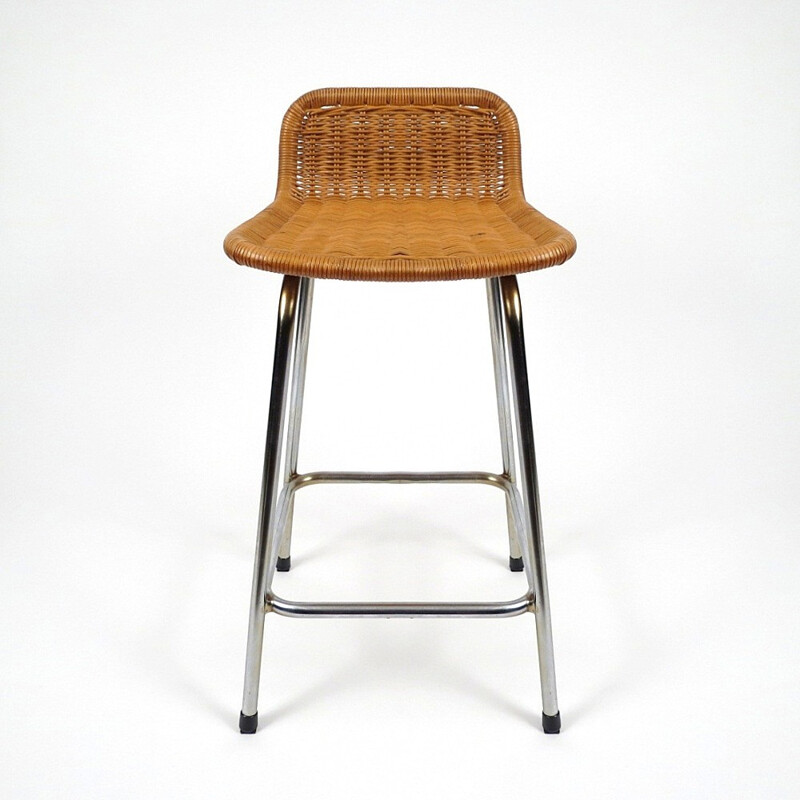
[(399, 185)]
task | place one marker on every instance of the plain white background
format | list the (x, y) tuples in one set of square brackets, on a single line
[(135, 368)]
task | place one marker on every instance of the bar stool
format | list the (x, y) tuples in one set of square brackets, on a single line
[(399, 185)]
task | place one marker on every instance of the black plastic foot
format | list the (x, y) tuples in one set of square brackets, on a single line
[(551, 724), (284, 564), (248, 724), (515, 564)]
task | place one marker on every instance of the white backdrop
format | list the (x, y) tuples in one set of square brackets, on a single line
[(135, 366)]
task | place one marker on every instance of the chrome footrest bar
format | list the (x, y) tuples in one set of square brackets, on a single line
[(504, 482), (291, 608), (487, 478)]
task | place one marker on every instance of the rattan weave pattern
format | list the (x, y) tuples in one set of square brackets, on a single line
[(399, 185)]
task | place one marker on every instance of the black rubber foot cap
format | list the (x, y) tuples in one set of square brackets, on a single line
[(515, 564), (551, 724), (248, 724), (284, 564)]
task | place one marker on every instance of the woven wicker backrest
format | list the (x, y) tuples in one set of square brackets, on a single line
[(399, 143)]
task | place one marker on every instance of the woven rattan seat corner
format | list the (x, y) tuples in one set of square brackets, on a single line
[(399, 185)]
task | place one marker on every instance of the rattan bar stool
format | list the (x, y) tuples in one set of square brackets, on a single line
[(399, 185)]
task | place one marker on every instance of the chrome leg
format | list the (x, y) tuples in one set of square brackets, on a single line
[(512, 313), (295, 413), (500, 358), (248, 719)]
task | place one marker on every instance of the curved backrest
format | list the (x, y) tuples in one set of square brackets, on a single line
[(399, 143)]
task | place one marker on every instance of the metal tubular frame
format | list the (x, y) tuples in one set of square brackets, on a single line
[(277, 502), (305, 297), (529, 483), (499, 357)]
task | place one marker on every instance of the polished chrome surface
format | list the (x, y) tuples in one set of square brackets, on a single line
[(269, 486), (529, 485), (522, 493), (312, 478), (514, 506), (509, 608), (295, 413), (500, 359), (283, 507)]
